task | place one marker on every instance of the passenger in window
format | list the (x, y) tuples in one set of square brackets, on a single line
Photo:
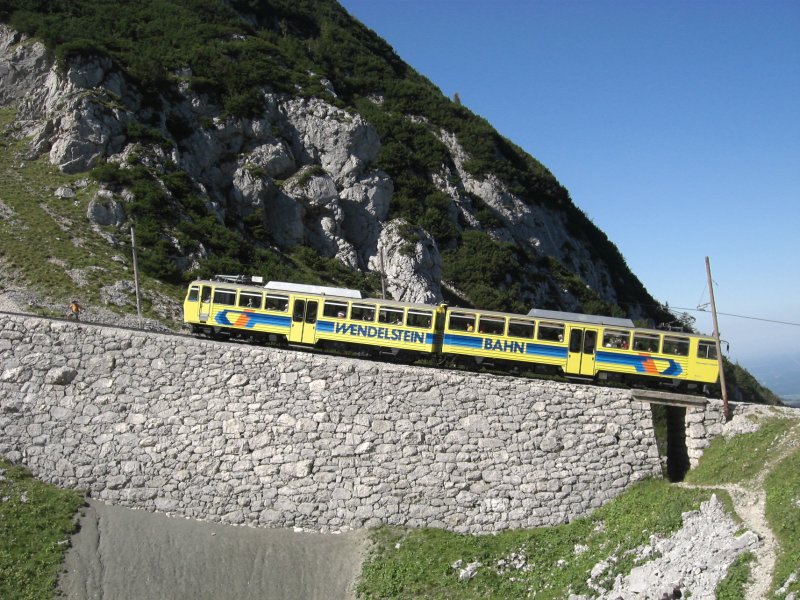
[(340, 314), (470, 328)]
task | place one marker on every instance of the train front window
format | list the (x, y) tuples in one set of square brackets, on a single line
[(362, 312), (419, 318), (462, 322), (676, 346), (551, 332), (616, 339), (645, 342), (707, 349), (391, 316), (334, 310), (194, 293), (227, 297), (249, 300), (277, 303), (520, 329), (492, 326)]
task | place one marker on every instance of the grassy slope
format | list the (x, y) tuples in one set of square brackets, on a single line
[(783, 513), (741, 459), (417, 563), (35, 521), (44, 236)]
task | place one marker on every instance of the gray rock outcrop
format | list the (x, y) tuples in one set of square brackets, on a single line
[(105, 210), (302, 172)]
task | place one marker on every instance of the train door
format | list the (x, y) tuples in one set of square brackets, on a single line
[(205, 303), (304, 320), (582, 345)]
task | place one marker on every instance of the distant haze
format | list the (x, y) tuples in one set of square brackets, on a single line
[(781, 374)]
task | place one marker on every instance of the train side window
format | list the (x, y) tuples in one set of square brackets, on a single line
[(707, 349), (491, 326), (551, 332), (589, 341), (205, 294), (520, 329), (225, 297), (249, 300), (576, 340), (419, 318), (335, 310), (299, 311), (616, 339), (646, 342), (278, 303), (392, 316), (194, 293), (462, 322), (677, 346), (362, 312)]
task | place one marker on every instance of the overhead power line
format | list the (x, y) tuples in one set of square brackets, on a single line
[(737, 316)]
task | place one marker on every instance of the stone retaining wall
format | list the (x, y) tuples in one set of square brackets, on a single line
[(242, 434)]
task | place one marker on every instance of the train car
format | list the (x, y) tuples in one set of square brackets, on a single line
[(587, 347), (240, 308), (313, 316), (581, 347)]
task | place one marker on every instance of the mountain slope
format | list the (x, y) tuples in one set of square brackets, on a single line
[(235, 102), (280, 138)]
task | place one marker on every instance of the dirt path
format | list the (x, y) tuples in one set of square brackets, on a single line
[(749, 501)]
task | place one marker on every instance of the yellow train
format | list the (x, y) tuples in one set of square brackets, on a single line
[(571, 344)]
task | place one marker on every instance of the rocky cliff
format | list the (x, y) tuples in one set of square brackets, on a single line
[(307, 170)]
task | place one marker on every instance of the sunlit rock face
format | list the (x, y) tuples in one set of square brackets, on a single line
[(304, 172)]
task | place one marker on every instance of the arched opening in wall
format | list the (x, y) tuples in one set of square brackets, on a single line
[(669, 423)]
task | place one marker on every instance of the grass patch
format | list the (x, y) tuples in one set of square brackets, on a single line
[(35, 521), (732, 587), (741, 457), (417, 563), (783, 514)]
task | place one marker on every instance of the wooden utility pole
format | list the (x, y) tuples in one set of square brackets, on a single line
[(716, 341), (383, 276), (136, 278)]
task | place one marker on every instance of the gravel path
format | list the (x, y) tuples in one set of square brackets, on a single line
[(696, 558), (749, 501)]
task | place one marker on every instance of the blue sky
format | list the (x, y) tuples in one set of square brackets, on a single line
[(674, 125)]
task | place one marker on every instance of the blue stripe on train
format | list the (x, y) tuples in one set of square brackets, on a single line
[(230, 318), (462, 341), (544, 350), (642, 364), (391, 335)]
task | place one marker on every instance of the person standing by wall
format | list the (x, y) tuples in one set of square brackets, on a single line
[(74, 310)]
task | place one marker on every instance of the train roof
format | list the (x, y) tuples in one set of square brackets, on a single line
[(540, 313), (332, 293), (319, 290)]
